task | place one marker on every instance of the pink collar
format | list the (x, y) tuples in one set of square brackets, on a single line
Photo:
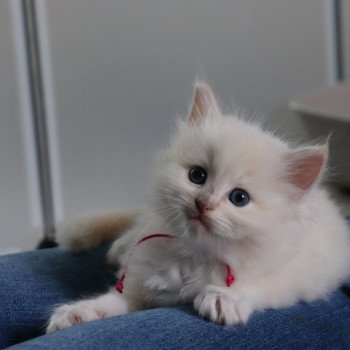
[(120, 285)]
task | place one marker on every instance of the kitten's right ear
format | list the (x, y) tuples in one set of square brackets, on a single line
[(204, 104)]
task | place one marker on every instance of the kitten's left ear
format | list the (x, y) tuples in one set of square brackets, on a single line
[(306, 165), (204, 104)]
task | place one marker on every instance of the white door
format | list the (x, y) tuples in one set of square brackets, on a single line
[(20, 221)]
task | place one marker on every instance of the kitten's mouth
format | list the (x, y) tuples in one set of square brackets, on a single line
[(201, 220)]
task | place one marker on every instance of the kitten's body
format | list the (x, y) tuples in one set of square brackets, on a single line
[(289, 243)]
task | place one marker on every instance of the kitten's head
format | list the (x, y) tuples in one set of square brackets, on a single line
[(223, 177)]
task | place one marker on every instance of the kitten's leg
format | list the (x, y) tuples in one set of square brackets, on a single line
[(304, 279), (120, 247), (106, 305), (284, 289)]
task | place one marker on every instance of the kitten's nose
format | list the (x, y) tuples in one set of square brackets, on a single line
[(202, 206)]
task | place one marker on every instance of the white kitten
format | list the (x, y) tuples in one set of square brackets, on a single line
[(241, 205)]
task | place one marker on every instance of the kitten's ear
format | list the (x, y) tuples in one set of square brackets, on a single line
[(306, 165), (204, 104)]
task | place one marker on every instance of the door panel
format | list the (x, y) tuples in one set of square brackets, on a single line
[(20, 221)]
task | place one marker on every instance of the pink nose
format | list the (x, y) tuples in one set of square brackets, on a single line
[(202, 206)]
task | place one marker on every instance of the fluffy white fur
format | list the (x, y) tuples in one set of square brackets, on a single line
[(288, 244)]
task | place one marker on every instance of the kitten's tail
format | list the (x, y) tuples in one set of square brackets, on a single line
[(86, 233)]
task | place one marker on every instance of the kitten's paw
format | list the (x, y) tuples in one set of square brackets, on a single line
[(71, 314), (222, 307)]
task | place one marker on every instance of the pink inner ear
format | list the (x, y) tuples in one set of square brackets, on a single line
[(204, 103), (199, 107), (304, 172)]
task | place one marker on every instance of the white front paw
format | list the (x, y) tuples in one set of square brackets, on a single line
[(71, 314), (222, 307)]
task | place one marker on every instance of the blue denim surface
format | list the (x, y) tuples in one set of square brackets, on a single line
[(31, 283)]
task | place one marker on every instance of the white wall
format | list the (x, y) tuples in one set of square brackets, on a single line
[(20, 222), (116, 73)]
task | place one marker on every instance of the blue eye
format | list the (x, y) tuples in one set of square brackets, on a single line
[(197, 175), (239, 197)]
